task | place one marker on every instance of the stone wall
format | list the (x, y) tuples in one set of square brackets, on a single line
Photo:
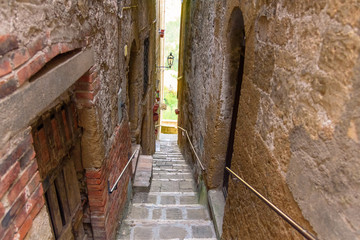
[(297, 127), (50, 50)]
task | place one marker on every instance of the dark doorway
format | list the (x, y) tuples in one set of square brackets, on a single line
[(132, 88), (236, 44)]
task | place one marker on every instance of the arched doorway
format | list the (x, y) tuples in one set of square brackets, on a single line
[(235, 69), (132, 96)]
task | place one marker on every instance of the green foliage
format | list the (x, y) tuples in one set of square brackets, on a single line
[(171, 101), (172, 33)]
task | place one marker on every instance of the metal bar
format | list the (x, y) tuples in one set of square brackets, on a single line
[(129, 7), (118, 179), (192, 146), (295, 225)]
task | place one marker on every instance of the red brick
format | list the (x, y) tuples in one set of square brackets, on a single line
[(26, 158), (85, 95), (25, 228), (93, 173), (93, 181), (5, 66), (37, 45), (51, 52), (8, 179), (89, 77), (29, 207), (19, 57), (14, 209), (98, 201), (7, 86), (19, 150), (25, 177), (9, 235), (39, 202), (30, 69), (7, 43)]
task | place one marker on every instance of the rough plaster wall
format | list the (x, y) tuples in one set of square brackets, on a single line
[(136, 25), (71, 21), (297, 137)]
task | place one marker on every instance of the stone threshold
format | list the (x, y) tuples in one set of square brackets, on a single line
[(166, 222), (152, 205)]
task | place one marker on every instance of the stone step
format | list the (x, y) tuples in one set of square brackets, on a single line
[(168, 198), (171, 168), (166, 230), (143, 173), (173, 177), (150, 222), (172, 186), (150, 212), (175, 205), (164, 171), (171, 209)]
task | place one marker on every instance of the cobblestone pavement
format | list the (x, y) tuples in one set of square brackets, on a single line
[(170, 210)]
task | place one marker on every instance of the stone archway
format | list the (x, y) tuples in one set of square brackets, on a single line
[(132, 96), (230, 96), (235, 70)]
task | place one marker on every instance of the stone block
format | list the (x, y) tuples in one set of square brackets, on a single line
[(173, 214), (189, 200), (139, 213), (217, 205), (143, 233), (197, 214), (172, 232), (202, 231), (143, 173), (167, 200)]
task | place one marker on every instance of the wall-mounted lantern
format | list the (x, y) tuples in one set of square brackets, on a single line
[(161, 32), (170, 61)]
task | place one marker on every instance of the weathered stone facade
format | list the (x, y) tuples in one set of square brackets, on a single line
[(297, 127), (65, 70)]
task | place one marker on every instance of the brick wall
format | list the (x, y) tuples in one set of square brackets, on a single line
[(21, 192), (105, 208), (19, 64)]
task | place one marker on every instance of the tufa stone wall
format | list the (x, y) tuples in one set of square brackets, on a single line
[(297, 129)]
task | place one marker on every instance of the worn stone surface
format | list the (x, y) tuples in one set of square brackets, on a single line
[(41, 227), (297, 128), (167, 212)]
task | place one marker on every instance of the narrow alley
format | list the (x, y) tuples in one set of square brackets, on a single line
[(179, 119), (170, 210)]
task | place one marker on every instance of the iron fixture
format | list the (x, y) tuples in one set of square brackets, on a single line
[(170, 61)]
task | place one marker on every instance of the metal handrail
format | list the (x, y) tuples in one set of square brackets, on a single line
[(192, 146), (118, 179), (289, 220)]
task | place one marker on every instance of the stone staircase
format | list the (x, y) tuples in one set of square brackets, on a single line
[(170, 210)]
